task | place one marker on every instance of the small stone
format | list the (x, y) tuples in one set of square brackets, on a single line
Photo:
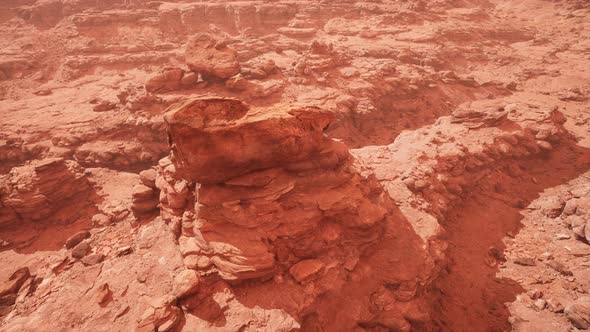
[(351, 263), (560, 267), (103, 294), (141, 191), (122, 311), (579, 313), (545, 256), (524, 261), (81, 250), (204, 262), (562, 236), (123, 251), (305, 269), (143, 205), (409, 182), (420, 184), (101, 220), (189, 79), (187, 228), (148, 177), (167, 80), (93, 259), (73, 240), (43, 92), (570, 207), (578, 225), (191, 262), (535, 294), (543, 134), (104, 106), (167, 325), (554, 306), (540, 304), (186, 282), (544, 145), (554, 207)]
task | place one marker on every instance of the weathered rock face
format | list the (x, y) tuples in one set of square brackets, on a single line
[(268, 181), (217, 139), (208, 55), (42, 189), (263, 193)]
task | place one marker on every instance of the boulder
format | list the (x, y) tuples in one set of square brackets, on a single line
[(579, 313), (103, 294), (169, 79), (215, 139), (206, 54), (101, 220), (144, 199), (81, 250), (186, 282), (148, 177), (73, 240), (306, 269), (560, 267), (93, 259)]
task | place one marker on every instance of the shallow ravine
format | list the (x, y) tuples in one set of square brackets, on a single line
[(468, 296)]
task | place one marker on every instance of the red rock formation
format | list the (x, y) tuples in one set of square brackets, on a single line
[(273, 198), (43, 189)]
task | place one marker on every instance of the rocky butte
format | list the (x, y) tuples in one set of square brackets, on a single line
[(361, 166)]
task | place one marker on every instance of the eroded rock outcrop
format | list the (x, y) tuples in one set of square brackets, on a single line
[(257, 171), (43, 189), (261, 193), (437, 166)]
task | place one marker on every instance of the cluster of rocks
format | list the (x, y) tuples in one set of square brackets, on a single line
[(119, 154), (207, 57), (13, 152), (548, 257), (210, 60), (19, 285), (162, 315), (173, 79)]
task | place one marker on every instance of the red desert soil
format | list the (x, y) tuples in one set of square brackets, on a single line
[(295, 165)]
